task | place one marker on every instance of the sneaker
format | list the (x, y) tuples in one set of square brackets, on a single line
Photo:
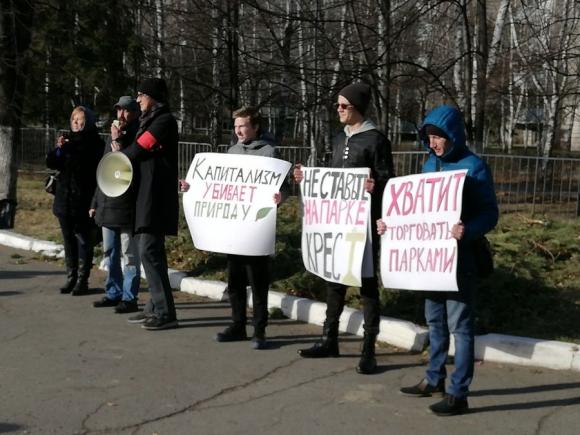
[(450, 405), (157, 324), (259, 341), (105, 302), (125, 307), (139, 318), (423, 389), (232, 333)]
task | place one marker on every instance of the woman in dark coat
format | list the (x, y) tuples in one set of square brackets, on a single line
[(76, 157)]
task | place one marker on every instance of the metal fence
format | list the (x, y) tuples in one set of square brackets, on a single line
[(530, 185)]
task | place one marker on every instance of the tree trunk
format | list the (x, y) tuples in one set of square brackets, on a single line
[(8, 167), (480, 80), (16, 20), (216, 114)]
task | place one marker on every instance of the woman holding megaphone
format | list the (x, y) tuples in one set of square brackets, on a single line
[(76, 156)]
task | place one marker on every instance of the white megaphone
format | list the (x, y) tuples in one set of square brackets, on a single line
[(114, 174)]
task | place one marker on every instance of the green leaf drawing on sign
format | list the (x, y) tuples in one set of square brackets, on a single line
[(263, 212)]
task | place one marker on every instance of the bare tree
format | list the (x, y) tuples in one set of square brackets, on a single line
[(16, 18)]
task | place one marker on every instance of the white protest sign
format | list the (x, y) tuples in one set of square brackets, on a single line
[(229, 206), (335, 222), (417, 250)]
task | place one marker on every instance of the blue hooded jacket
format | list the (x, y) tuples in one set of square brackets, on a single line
[(479, 211)]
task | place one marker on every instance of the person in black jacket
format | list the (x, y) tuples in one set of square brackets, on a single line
[(154, 157), (361, 144), (115, 216), (76, 157)]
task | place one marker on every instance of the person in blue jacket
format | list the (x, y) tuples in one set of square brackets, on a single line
[(443, 134)]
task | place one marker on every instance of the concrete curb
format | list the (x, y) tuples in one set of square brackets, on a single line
[(50, 249), (406, 335), (400, 333)]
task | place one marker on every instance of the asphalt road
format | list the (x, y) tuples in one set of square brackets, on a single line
[(69, 368)]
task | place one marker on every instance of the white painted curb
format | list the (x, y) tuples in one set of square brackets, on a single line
[(50, 249), (406, 335), (528, 351)]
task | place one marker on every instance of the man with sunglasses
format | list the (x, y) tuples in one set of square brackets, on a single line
[(360, 144)]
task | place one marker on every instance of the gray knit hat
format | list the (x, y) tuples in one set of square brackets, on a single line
[(127, 102), (359, 95)]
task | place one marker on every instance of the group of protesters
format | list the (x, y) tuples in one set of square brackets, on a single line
[(134, 226)]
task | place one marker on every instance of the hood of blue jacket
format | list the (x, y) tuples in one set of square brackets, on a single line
[(448, 119)]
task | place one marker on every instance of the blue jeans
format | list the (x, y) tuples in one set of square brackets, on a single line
[(451, 313), (122, 260)]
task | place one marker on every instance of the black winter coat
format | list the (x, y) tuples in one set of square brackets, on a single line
[(154, 154), (118, 212), (77, 162), (367, 149)]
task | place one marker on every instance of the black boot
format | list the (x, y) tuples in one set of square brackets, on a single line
[(71, 280), (82, 285), (71, 261), (368, 362), (326, 347)]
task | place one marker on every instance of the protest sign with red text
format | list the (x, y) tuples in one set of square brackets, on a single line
[(417, 250)]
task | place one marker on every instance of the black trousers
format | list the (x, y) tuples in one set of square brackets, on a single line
[(335, 295), (154, 261), (79, 236), (255, 272)]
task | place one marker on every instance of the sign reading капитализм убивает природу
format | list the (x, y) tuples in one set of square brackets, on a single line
[(335, 224), (417, 249), (230, 206)]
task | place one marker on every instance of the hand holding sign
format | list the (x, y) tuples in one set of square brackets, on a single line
[(336, 206), (229, 202), (420, 227)]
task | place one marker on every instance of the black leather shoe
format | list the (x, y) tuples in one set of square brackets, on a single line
[(327, 348), (157, 324), (232, 333), (105, 302), (80, 288), (423, 389), (70, 284), (367, 364), (259, 341), (125, 307), (139, 318), (450, 405)]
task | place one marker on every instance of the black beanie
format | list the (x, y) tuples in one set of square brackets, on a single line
[(155, 88), (431, 129), (359, 95)]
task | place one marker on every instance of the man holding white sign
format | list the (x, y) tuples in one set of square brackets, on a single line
[(446, 312), (230, 207), (362, 146)]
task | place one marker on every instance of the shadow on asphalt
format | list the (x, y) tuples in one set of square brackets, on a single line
[(24, 274), (10, 427), (199, 306), (9, 293), (527, 405), (92, 292), (524, 390)]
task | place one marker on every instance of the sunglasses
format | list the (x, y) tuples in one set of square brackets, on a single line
[(343, 106)]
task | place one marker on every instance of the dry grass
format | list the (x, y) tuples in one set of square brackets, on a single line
[(34, 216)]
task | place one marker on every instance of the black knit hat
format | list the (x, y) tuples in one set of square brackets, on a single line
[(359, 95), (431, 129), (155, 88)]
